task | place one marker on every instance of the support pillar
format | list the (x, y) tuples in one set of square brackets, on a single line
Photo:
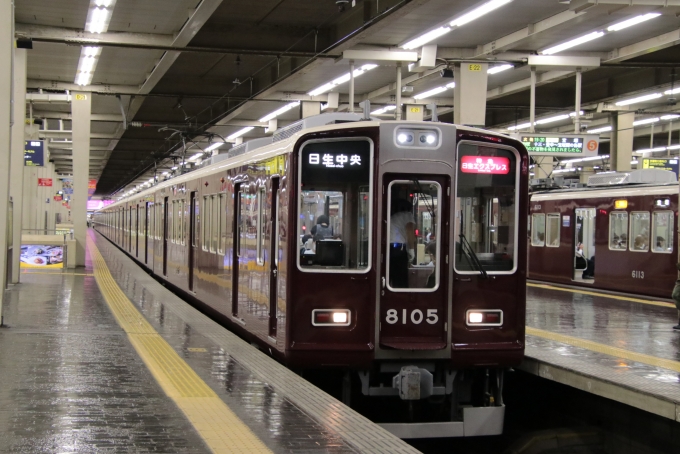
[(469, 94), (351, 87), (17, 158), (6, 45), (621, 152), (577, 115), (81, 107), (532, 101), (544, 166), (397, 111), (310, 108)]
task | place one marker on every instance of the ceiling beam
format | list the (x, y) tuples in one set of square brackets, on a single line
[(644, 47), (71, 36), (63, 86)]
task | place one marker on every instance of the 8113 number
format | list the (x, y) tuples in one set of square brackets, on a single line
[(416, 317)]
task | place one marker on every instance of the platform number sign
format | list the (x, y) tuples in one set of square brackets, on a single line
[(474, 67)]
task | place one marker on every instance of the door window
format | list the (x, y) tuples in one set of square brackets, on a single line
[(538, 229), (552, 231)]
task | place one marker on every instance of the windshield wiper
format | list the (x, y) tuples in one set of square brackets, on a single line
[(471, 256)]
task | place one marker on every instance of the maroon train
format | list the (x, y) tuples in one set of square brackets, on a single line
[(620, 238), (436, 329)]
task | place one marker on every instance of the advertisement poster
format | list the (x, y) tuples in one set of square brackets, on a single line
[(44, 181), (67, 186), (34, 153), (37, 256), (91, 187)]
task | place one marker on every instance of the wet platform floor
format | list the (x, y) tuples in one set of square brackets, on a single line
[(72, 381), (621, 348)]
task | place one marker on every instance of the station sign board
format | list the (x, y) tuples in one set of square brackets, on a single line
[(560, 145), (34, 153), (671, 164)]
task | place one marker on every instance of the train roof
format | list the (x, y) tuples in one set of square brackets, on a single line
[(281, 143), (626, 190)]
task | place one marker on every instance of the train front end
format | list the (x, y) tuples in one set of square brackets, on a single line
[(411, 269)]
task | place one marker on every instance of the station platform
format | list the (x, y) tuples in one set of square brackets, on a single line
[(104, 358), (622, 348)]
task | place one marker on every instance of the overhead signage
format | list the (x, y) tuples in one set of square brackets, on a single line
[(493, 165), (44, 181), (671, 164), (561, 145), (34, 153)]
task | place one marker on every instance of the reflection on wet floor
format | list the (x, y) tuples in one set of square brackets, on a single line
[(632, 326)]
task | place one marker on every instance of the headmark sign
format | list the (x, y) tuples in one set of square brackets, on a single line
[(492, 165), (34, 153), (562, 145)]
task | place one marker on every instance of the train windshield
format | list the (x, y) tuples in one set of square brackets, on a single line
[(334, 218), (486, 209)]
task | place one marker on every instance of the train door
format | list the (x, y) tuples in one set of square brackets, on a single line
[(584, 244), (165, 237), (129, 235), (146, 232), (135, 232), (193, 237), (274, 257), (413, 303), (239, 231)]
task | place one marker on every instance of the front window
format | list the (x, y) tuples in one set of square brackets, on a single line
[(486, 209), (334, 218)]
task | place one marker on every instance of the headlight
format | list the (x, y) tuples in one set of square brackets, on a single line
[(331, 317), (484, 317), (405, 138)]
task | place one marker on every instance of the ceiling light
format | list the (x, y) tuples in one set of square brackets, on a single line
[(240, 132), (98, 20), (650, 150), (552, 119), (646, 121), (434, 91), (341, 80), (518, 127), (383, 110), (673, 147), (573, 114), (633, 21), (278, 112), (633, 162), (626, 102), (572, 43), (426, 38), (497, 69), (174, 168), (597, 130), (195, 157), (672, 92), (670, 117), (83, 79), (104, 3), (478, 12), (150, 180), (214, 146)]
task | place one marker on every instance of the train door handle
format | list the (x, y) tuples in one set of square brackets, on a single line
[(383, 282), (464, 279), (274, 272)]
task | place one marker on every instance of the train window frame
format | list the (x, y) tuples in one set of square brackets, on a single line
[(516, 200), (205, 238), (632, 237), (372, 195), (669, 244), (534, 233), (214, 223), (171, 219), (627, 219), (261, 224), (549, 241), (222, 210), (183, 239)]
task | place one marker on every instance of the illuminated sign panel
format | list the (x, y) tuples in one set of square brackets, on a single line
[(563, 145), (493, 165), (44, 181), (34, 153), (662, 163), (325, 162)]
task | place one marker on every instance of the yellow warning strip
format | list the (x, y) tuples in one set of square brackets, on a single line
[(221, 429), (604, 295), (605, 349)]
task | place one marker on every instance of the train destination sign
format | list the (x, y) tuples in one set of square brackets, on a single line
[(34, 153), (492, 165), (671, 164), (562, 145)]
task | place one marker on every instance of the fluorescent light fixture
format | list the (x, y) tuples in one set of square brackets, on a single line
[(383, 110), (572, 43), (673, 147), (497, 69), (174, 168), (166, 173), (646, 121), (650, 150), (573, 114), (518, 127), (214, 146), (426, 38), (89, 56), (598, 130), (633, 21), (672, 92), (98, 20), (633, 162), (280, 111), (150, 180), (670, 117), (478, 12), (589, 158), (240, 132), (552, 119), (324, 106), (341, 80), (195, 157), (104, 3), (565, 170), (434, 91), (638, 99)]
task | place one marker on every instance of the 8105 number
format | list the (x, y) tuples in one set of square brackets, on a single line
[(416, 317)]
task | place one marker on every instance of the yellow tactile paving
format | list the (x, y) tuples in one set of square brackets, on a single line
[(605, 349), (604, 295), (221, 429)]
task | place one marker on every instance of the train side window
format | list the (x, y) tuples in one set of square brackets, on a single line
[(214, 223), (261, 224), (333, 223), (552, 230), (184, 222), (244, 207), (171, 220), (194, 240), (662, 231), (223, 223), (538, 229), (206, 223), (638, 241), (618, 230)]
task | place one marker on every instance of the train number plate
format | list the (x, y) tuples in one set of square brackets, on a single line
[(416, 316)]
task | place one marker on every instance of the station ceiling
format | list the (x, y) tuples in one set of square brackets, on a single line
[(175, 76)]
